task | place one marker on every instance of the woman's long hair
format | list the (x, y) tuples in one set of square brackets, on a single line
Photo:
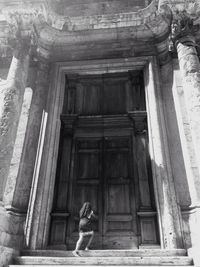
[(85, 210)]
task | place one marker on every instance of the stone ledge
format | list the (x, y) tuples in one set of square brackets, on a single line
[(11, 229)]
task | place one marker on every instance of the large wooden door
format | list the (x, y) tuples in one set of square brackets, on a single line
[(103, 176), (104, 159)]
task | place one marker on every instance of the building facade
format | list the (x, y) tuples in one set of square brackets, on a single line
[(100, 102)]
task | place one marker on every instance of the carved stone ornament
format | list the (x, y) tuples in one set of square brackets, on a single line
[(21, 38), (183, 28)]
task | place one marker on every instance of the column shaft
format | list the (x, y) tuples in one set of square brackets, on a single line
[(38, 105), (190, 68), (11, 99), (18, 186), (12, 91)]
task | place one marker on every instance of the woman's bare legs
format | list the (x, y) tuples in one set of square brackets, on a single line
[(90, 240), (80, 241), (78, 244)]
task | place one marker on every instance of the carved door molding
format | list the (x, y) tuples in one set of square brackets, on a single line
[(40, 223)]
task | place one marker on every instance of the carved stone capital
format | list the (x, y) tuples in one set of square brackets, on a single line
[(183, 29), (19, 40), (22, 36)]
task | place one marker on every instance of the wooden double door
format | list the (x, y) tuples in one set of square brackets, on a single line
[(113, 172), (104, 159), (103, 175)]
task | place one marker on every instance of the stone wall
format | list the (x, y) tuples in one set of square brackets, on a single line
[(6, 255), (11, 98), (94, 7), (11, 235)]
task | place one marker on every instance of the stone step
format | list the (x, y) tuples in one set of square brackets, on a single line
[(106, 261), (53, 265), (107, 253)]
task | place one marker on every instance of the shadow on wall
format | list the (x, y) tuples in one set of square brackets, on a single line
[(163, 100), (164, 200)]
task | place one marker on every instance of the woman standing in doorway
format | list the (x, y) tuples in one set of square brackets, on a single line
[(85, 227)]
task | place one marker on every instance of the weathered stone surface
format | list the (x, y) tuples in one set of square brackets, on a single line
[(190, 68), (164, 185), (11, 236), (187, 145), (93, 7), (6, 255), (10, 102), (108, 253), (183, 35), (193, 222), (38, 104), (177, 163), (4, 72), (14, 186), (11, 229), (108, 261), (120, 32), (109, 34)]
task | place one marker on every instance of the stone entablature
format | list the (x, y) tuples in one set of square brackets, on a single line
[(57, 33), (104, 21), (61, 37), (73, 8)]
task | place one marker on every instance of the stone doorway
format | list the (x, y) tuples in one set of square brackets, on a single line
[(45, 213)]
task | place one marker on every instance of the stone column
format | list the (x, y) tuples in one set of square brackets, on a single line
[(183, 38), (11, 98), (20, 197)]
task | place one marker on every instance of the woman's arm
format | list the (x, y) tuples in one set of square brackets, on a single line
[(93, 215)]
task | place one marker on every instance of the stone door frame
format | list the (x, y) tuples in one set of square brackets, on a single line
[(39, 221)]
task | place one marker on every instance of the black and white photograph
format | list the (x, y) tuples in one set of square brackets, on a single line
[(99, 133)]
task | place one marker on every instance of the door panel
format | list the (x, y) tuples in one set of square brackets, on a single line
[(86, 186), (86, 160), (104, 178), (143, 163), (114, 94), (120, 210), (106, 94)]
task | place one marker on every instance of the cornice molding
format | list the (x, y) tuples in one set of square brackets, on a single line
[(51, 32), (92, 22), (147, 26)]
